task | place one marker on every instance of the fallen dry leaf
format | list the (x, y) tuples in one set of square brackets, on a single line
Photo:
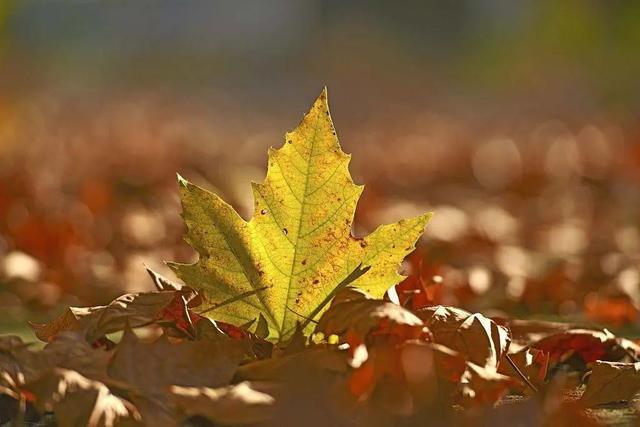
[(135, 310), (611, 382), (20, 364), (79, 401), (209, 362), (478, 338), (70, 320), (149, 368), (238, 404), (358, 319)]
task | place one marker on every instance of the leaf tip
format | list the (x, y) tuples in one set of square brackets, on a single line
[(181, 181)]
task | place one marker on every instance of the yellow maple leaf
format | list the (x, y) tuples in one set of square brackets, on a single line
[(288, 261)]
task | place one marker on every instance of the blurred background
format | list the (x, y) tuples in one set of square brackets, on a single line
[(516, 121)]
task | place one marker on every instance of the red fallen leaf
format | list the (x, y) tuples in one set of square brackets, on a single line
[(423, 287), (588, 345), (179, 316), (233, 331)]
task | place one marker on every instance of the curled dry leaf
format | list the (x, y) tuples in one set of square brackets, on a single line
[(79, 401), (611, 382), (71, 320), (478, 338), (135, 310), (238, 404), (162, 283), (358, 319)]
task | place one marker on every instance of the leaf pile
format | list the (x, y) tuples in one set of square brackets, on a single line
[(288, 320)]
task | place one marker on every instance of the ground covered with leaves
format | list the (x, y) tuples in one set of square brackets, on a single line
[(288, 319)]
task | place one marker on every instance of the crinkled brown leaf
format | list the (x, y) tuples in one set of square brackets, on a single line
[(137, 309), (162, 283), (149, 368), (479, 338), (69, 350), (354, 316), (79, 401), (611, 382), (238, 404), (72, 319), (360, 316), (207, 362)]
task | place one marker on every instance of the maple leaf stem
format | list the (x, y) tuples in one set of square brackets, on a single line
[(522, 376), (349, 279), (234, 299), (307, 319)]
